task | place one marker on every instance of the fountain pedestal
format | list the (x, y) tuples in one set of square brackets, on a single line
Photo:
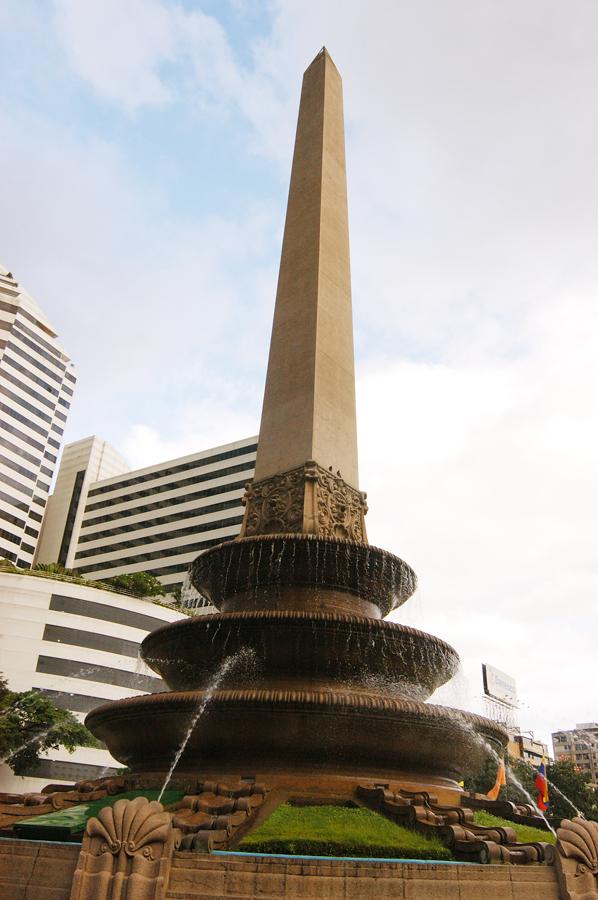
[(335, 691)]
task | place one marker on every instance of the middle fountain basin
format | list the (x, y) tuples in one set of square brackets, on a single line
[(300, 650)]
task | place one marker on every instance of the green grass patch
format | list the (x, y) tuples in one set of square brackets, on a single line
[(339, 831), (525, 833)]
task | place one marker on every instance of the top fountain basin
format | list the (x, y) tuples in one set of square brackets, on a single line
[(302, 572)]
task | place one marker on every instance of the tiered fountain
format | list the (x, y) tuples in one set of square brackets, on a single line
[(334, 690)]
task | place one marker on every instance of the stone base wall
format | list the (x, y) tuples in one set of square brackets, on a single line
[(33, 870), (36, 870), (213, 878)]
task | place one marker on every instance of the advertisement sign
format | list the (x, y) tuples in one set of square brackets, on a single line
[(499, 686)]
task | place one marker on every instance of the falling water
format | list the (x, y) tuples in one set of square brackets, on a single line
[(577, 811), (191, 600), (242, 656), (279, 563), (141, 668), (227, 571), (456, 692)]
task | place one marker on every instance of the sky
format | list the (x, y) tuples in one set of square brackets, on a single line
[(145, 152)]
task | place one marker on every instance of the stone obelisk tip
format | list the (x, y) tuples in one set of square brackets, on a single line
[(322, 54)]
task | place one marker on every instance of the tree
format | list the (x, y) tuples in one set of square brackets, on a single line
[(31, 724), (142, 584), (576, 786)]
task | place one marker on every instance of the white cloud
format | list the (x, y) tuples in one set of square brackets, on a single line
[(146, 52), (119, 48)]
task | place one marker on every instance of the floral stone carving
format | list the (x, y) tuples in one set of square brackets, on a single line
[(275, 505), (306, 500), (577, 859), (126, 853)]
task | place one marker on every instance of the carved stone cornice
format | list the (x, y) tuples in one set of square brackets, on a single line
[(306, 500)]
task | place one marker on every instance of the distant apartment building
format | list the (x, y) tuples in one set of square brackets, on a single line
[(526, 747), (36, 387), (155, 519), (579, 746)]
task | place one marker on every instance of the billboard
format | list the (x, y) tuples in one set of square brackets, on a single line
[(499, 686)]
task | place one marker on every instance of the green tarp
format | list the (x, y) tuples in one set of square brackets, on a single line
[(64, 823)]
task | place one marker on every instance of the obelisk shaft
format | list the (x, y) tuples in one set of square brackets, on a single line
[(309, 400)]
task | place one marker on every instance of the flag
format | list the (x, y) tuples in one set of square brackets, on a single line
[(541, 785), (501, 779)]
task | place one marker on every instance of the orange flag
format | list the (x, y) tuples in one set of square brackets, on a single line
[(501, 779)]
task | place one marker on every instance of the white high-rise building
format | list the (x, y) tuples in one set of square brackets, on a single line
[(36, 387), (82, 464), (155, 519)]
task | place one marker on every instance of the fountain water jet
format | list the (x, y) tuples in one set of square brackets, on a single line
[(36, 737), (511, 775), (553, 787), (228, 664)]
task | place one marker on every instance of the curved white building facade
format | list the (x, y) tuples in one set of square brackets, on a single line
[(79, 646)]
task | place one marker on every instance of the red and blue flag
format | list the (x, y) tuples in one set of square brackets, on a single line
[(541, 785)]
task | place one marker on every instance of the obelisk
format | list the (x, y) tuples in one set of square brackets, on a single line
[(307, 450)]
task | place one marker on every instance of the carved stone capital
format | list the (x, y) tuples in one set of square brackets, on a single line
[(306, 500), (576, 859), (126, 852)]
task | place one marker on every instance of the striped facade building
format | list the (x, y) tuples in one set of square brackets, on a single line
[(36, 387), (155, 519)]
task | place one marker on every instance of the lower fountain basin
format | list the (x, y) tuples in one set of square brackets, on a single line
[(297, 650), (268, 730), (301, 571)]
